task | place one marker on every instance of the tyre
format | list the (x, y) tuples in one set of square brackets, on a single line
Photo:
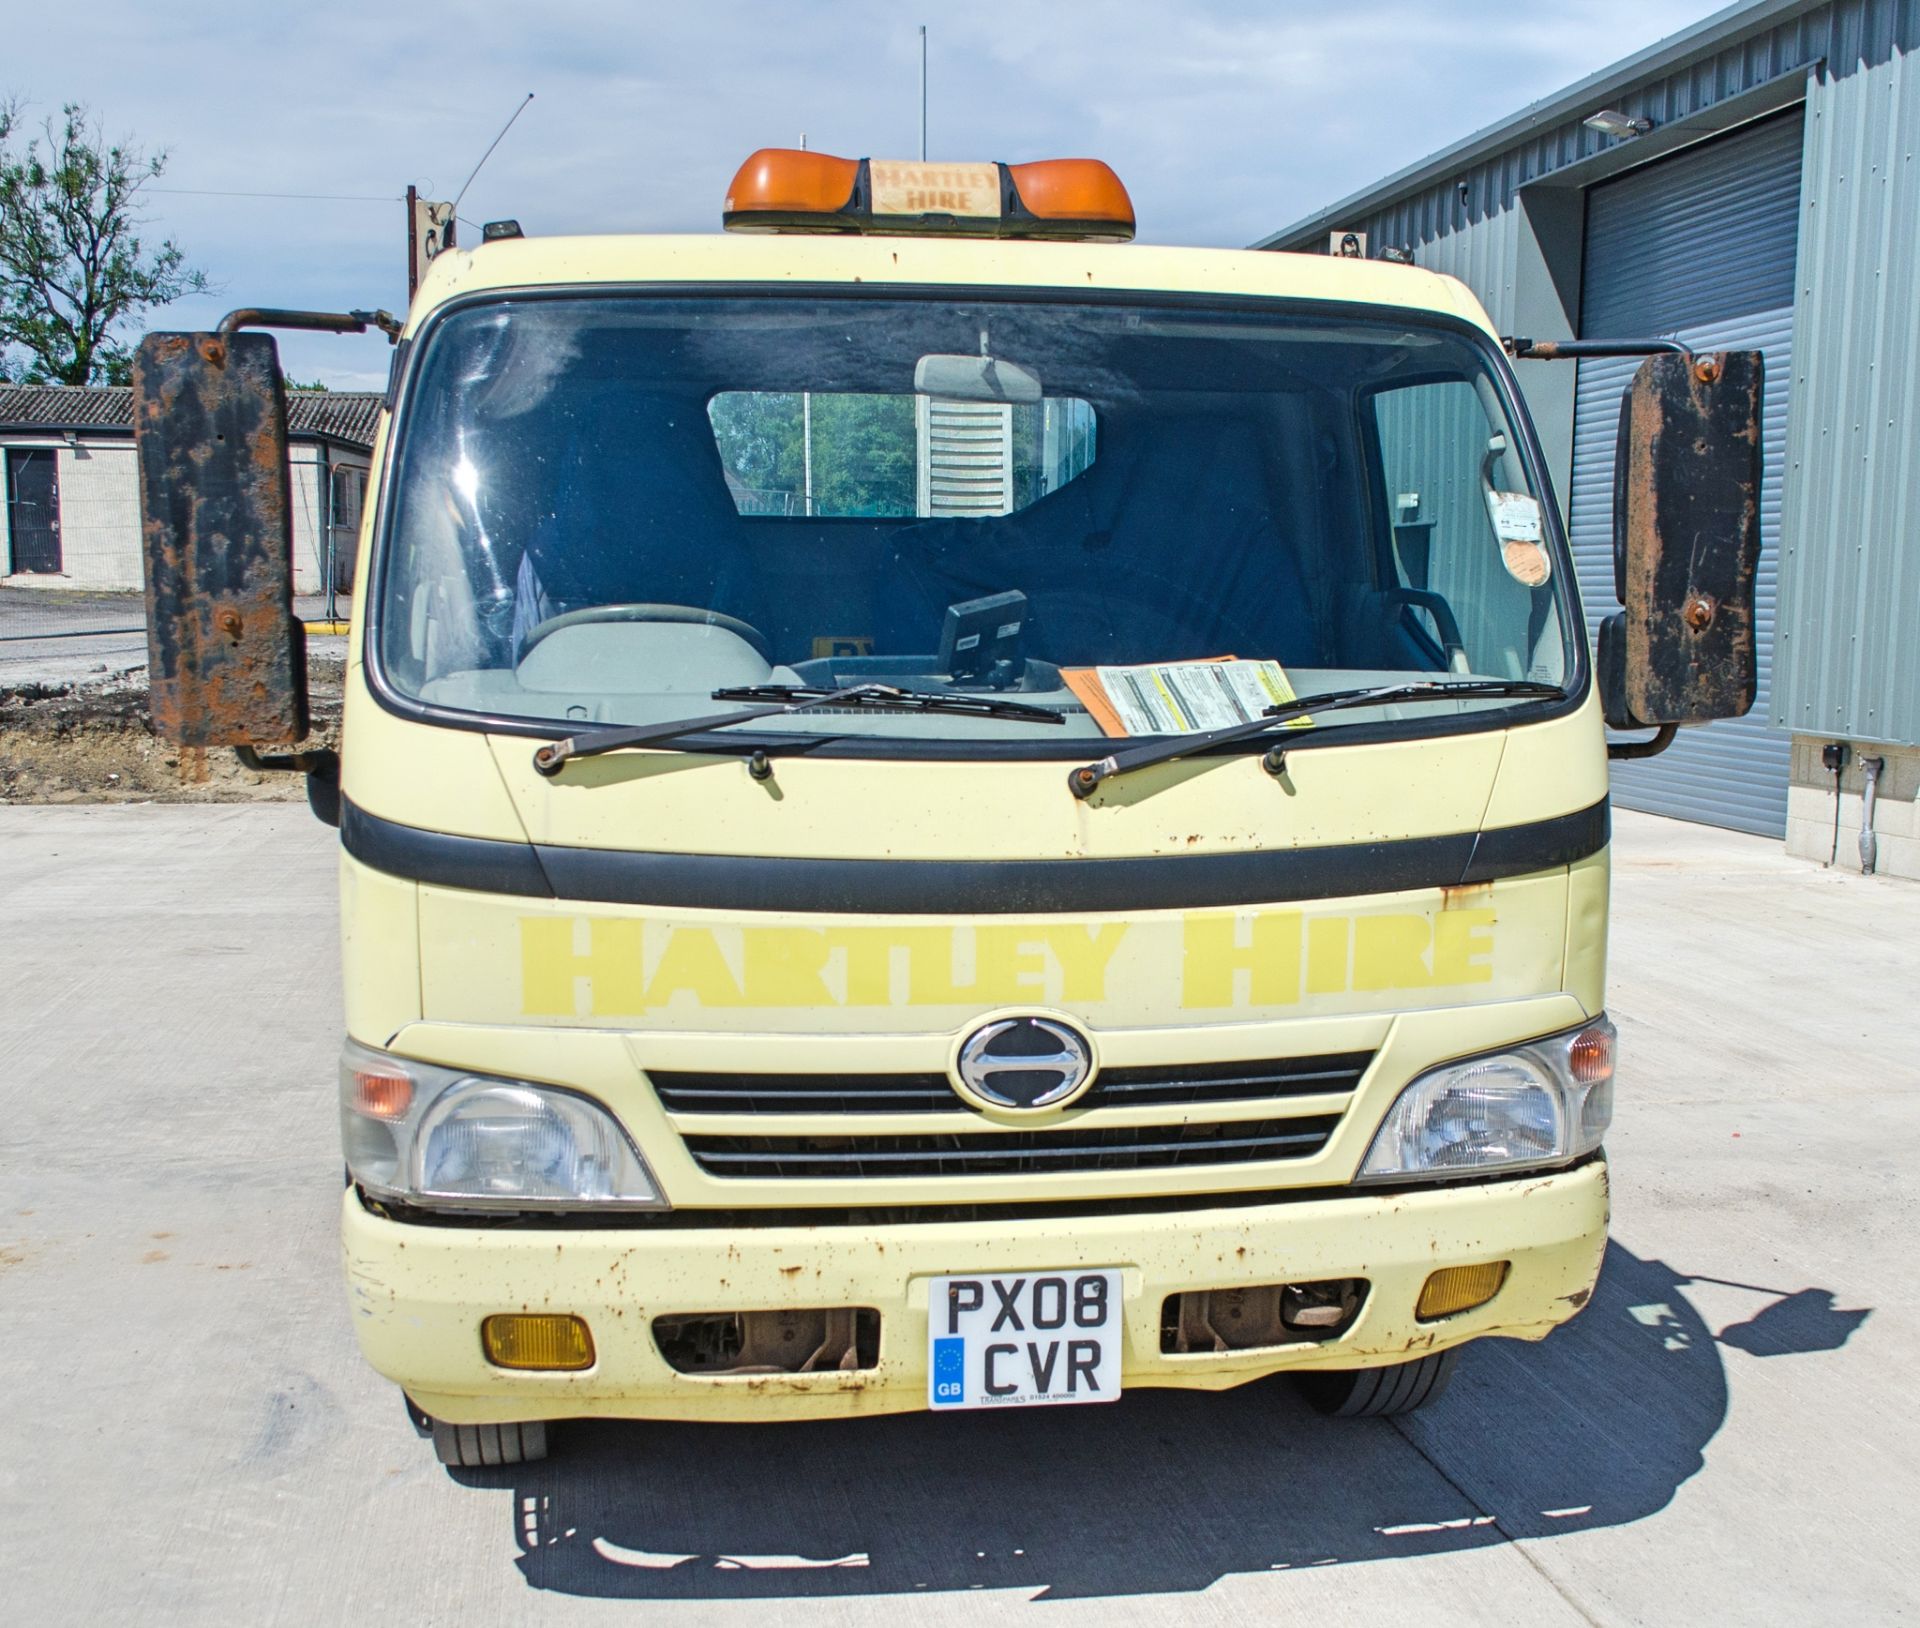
[(473, 1447), (1377, 1393)]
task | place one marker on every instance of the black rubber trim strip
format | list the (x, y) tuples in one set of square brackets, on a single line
[(968, 887), (478, 864)]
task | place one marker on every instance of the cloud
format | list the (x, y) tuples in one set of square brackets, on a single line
[(1226, 120)]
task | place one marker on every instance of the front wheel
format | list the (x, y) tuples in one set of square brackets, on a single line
[(473, 1447), (1377, 1393)]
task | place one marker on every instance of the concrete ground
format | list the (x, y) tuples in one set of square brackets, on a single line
[(187, 1434), (66, 636), (71, 636)]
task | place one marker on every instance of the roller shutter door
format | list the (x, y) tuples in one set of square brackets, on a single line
[(965, 457), (1697, 247)]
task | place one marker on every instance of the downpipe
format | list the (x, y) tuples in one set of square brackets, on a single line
[(1870, 768)]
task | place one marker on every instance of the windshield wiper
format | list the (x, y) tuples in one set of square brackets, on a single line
[(1089, 777), (783, 698), (887, 697)]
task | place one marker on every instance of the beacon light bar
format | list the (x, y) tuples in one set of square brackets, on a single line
[(781, 189)]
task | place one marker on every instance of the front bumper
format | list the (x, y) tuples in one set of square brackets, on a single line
[(418, 1293)]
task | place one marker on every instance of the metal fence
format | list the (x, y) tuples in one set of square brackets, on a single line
[(70, 549)]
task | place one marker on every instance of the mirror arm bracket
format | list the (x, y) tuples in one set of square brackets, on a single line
[(323, 761), (1652, 746), (1570, 350), (321, 767), (332, 322)]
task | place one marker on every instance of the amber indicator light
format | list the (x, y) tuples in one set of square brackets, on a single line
[(1460, 1288), (537, 1340), (381, 1095), (1591, 1056)]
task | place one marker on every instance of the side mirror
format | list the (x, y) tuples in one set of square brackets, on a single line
[(1686, 543), (226, 657)]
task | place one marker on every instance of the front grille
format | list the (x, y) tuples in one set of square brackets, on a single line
[(1012, 1153), (1230, 1082), (1163, 1085), (804, 1093)]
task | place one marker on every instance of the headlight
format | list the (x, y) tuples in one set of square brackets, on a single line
[(420, 1133), (1538, 1104)]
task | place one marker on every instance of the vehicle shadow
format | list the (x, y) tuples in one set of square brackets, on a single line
[(1163, 1491)]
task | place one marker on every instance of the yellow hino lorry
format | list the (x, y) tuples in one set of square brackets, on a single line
[(941, 810)]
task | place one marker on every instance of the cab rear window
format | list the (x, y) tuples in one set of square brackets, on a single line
[(867, 455)]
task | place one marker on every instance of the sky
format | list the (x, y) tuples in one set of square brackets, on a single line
[(1226, 121)]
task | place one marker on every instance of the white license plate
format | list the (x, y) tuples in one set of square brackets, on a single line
[(1022, 1339)]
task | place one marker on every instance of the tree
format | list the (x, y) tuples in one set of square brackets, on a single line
[(73, 268), (863, 449), (307, 385)]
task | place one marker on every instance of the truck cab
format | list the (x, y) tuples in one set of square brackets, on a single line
[(940, 813)]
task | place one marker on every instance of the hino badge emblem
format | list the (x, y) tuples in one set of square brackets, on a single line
[(1023, 1063)]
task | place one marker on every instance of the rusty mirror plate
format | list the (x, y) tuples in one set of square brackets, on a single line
[(226, 657), (1687, 536)]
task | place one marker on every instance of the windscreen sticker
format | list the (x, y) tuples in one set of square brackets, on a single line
[(1180, 698), (1516, 516), (1516, 524)]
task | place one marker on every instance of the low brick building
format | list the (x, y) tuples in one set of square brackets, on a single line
[(72, 513)]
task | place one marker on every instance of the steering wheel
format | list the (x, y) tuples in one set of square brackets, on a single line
[(743, 631)]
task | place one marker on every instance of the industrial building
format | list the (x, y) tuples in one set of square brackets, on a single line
[(1751, 182)]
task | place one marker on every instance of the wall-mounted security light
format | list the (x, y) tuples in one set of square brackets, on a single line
[(1620, 126)]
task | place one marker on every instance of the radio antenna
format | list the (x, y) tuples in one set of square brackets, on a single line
[(489, 152)]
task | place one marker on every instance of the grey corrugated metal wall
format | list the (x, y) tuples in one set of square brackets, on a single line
[(1698, 247), (1482, 253), (1847, 660), (1842, 36)]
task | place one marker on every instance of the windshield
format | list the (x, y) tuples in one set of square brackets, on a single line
[(1150, 521)]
